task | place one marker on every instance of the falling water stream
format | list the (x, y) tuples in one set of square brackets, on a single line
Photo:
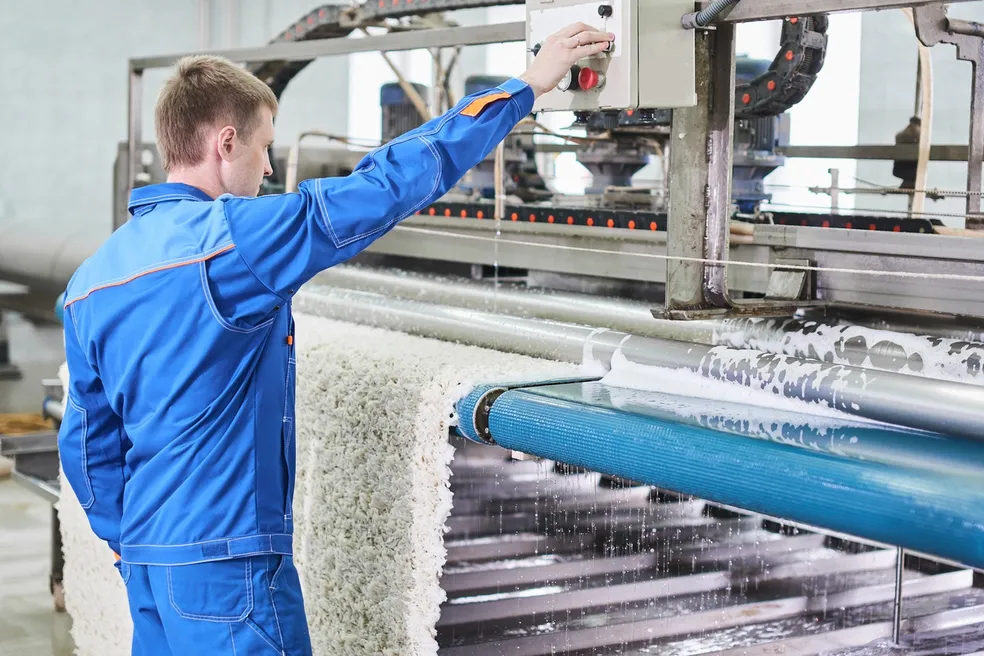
[(500, 208)]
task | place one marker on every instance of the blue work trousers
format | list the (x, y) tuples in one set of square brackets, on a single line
[(250, 605)]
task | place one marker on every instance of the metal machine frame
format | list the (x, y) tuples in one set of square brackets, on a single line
[(689, 253), (699, 276)]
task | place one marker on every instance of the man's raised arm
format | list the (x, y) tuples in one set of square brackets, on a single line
[(287, 239)]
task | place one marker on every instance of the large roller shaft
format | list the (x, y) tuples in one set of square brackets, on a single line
[(935, 510), (936, 406), (829, 340)]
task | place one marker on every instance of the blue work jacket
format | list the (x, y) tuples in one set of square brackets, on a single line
[(178, 433)]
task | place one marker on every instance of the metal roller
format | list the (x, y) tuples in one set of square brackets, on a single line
[(833, 341), (541, 339), (941, 406), (617, 314)]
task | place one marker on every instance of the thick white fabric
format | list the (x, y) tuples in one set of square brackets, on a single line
[(94, 593), (372, 494)]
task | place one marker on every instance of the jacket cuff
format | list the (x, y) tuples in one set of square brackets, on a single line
[(521, 92)]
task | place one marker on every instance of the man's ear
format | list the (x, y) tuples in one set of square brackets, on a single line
[(227, 143)]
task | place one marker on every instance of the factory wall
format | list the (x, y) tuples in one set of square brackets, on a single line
[(888, 87), (64, 106)]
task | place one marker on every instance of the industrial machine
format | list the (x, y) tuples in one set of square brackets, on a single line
[(677, 523)]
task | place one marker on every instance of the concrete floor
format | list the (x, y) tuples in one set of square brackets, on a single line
[(29, 624)]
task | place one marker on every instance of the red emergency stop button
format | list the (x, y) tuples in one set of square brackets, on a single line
[(588, 78)]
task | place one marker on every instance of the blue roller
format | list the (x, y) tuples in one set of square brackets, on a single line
[(920, 491)]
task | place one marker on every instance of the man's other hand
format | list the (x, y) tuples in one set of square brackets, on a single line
[(562, 50)]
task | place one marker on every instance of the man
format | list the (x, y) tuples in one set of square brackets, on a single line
[(178, 435)]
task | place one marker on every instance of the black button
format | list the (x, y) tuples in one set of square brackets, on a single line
[(276, 308), (536, 50), (605, 11)]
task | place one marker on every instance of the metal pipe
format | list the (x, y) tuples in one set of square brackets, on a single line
[(960, 26), (943, 407), (625, 315), (757, 10), (134, 128), (897, 607), (411, 92), (54, 409), (542, 339), (294, 157), (833, 342), (445, 37), (44, 259)]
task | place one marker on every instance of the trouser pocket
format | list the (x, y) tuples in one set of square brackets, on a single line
[(224, 607), (218, 591)]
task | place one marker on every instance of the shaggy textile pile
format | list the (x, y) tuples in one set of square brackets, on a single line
[(374, 410), (94, 592), (371, 497)]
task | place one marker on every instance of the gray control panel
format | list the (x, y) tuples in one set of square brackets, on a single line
[(649, 64)]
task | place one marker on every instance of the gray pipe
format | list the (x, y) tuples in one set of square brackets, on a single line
[(943, 406), (859, 346), (44, 258), (542, 339), (629, 316), (836, 342)]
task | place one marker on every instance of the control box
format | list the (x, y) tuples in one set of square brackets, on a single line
[(650, 64)]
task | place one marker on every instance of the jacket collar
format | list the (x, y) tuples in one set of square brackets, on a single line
[(164, 192)]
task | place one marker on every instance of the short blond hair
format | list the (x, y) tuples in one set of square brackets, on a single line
[(204, 91)]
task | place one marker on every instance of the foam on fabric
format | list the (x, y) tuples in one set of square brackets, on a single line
[(858, 346)]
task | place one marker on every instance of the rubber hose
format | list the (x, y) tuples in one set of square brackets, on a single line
[(708, 14)]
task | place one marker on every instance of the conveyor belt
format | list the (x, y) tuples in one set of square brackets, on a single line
[(540, 562)]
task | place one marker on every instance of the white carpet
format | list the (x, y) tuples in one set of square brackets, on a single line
[(372, 492), (94, 592)]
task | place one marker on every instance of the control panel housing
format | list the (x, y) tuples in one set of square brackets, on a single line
[(651, 62)]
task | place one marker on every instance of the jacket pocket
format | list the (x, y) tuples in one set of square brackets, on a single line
[(84, 491), (289, 466), (216, 591)]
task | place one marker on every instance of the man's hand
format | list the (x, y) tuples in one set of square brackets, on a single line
[(562, 50)]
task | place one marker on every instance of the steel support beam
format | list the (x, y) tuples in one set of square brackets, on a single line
[(700, 181), (395, 41), (944, 153), (933, 27), (134, 132), (759, 10)]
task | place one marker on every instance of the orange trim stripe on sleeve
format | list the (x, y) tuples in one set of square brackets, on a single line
[(476, 106), (150, 271)]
